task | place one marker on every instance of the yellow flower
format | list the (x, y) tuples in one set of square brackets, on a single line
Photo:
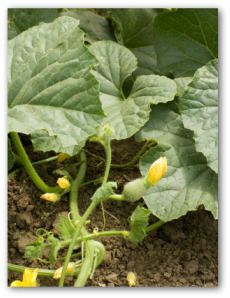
[(157, 170), (28, 279), (62, 157), (70, 269), (52, 197), (131, 278), (63, 183)]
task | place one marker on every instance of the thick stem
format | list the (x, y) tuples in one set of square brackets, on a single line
[(107, 147), (41, 272), (154, 226), (80, 227), (29, 167), (73, 198), (117, 197)]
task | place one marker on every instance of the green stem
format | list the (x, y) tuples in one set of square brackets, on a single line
[(96, 181), (80, 224), (41, 272), (29, 167), (97, 235), (73, 198), (117, 197), (75, 213), (45, 160), (107, 147), (108, 152), (154, 226)]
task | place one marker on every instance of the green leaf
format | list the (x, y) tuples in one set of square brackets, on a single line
[(134, 29), (34, 251), (185, 40), (138, 222), (52, 94), (54, 247), (147, 60), (199, 108), (182, 84), (64, 227), (189, 182), (104, 191), (127, 115), (20, 19), (95, 26)]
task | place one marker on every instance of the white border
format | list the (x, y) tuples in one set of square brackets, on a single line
[(224, 151)]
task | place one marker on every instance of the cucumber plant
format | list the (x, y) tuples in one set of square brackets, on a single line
[(87, 75)]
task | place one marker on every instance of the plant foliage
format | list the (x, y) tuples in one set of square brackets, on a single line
[(97, 75)]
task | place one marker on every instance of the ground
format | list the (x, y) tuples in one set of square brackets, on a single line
[(183, 253)]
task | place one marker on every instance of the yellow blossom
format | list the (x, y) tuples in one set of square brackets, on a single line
[(28, 279), (62, 157), (63, 183), (52, 197), (58, 272), (157, 170), (131, 278)]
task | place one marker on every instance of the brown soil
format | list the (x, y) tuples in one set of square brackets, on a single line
[(180, 254)]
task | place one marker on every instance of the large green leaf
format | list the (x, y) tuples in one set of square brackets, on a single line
[(134, 29), (20, 19), (182, 84), (51, 91), (189, 182), (127, 115), (185, 40), (199, 108), (95, 26)]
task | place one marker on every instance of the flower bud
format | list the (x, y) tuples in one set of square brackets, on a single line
[(62, 157), (131, 278), (63, 183), (157, 170), (52, 197), (58, 272), (134, 190)]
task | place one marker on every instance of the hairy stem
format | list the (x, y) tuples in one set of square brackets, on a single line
[(107, 147), (45, 160), (29, 167), (41, 272), (73, 198), (154, 226), (95, 235), (108, 152), (117, 197), (80, 224)]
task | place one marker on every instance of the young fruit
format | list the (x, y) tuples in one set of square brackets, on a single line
[(134, 190)]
